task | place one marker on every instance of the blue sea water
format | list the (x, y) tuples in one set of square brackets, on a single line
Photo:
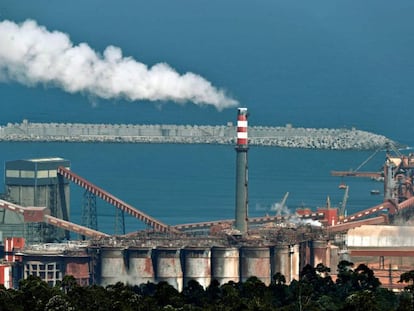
[(191, 183), (316, 63)]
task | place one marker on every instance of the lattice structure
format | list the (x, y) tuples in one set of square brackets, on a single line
[(89, 214), (119, 222)]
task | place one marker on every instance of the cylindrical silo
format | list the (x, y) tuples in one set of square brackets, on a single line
[(334, 258), (197, 266), (306, 255), (255, 261), (225, 264), (280, 261), (113, 268), (319, 250), (294, 254), (141, 269), (168, 267)]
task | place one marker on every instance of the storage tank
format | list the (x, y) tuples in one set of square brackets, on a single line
[(294, 254), (280, 261), (334, 254), (225, 264), (141, 268), (113, 267), (197, 265), (255, 261), (319, 250), (168, 267)]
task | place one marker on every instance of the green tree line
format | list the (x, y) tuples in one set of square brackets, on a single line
[(354, 289)]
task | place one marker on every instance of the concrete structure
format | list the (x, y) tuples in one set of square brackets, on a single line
[(168, 267), (52, 261), (113, 265), (135, 265), (295, 264), (225, 264), (197, 265), (320, 252), (35, 183), (285, 136), (141, 268), (241, 172), (280, 261), (381, 236), (388, 250), (255, 261)]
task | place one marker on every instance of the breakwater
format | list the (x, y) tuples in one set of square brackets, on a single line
[(287, 136)]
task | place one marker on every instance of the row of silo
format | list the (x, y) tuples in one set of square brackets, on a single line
[(177, 266)]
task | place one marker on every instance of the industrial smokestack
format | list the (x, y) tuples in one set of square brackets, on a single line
[(32, 55), (241, 171)]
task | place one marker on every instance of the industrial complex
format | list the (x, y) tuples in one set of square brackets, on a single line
[(35, 223)]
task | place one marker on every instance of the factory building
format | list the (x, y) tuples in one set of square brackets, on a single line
[(225, 250), (176, 265), (35, 183)]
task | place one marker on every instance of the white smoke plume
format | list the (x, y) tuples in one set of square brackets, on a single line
[(32, 55), (280, 209)]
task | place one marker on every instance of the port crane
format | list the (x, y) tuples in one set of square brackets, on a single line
[(397, 176), (358, 173)]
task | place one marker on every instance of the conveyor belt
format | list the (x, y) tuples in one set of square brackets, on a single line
[(106, 196)]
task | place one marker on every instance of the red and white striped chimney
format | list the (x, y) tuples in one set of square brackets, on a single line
[(241, 172), (242, 127)]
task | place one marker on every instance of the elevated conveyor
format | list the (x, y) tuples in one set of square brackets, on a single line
[(111, 199), (74, 227), (342, 227), (385, 206), (251, 221), (41, 214)]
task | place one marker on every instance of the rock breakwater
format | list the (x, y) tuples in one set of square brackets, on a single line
[(287, 137)]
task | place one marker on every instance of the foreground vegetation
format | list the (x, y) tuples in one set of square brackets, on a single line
[(354, 289)]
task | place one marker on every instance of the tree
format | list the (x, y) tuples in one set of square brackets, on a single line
[(213, 292), (166, 294), (344, 279), (365, 279), (122, 297), (230, 297), (35, 293), (194, 294), (364, 300), (279, 290), (58, 303), (408, 277), (8, 300)]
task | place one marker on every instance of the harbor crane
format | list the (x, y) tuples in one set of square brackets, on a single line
[(357, 173)]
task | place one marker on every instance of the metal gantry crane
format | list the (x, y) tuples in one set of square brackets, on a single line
[(397, 175), (282, 203), (357, 172)]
